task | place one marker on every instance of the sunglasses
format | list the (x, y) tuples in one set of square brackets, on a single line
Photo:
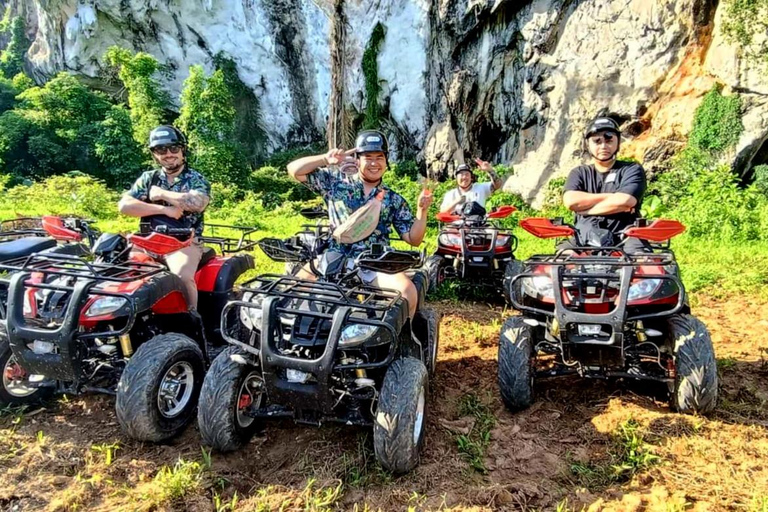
[(607, 137), (163, 150)]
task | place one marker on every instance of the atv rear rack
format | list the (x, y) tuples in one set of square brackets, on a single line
[(229, 245), (74, 266), (22, 226)]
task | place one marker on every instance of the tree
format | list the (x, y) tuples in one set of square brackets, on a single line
[(12, 58), (149, 104), (208, 119)]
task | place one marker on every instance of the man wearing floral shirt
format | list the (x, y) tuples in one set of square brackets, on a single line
[(174, 195), (344, 194)]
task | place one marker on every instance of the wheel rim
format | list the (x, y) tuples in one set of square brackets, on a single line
[(419, 424), (15, 379), (249, 395), (176, 389)]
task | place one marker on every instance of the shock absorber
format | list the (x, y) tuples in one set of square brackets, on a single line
[(125, 345)]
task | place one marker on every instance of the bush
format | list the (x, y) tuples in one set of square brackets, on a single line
[(76, 194), (717, 122), (761, 178)]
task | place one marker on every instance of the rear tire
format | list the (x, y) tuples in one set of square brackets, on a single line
[(222, 426), (398, 429), (695, 387), (516, 369), (513, 268), (14, 389), (159, 388), (435, 270)]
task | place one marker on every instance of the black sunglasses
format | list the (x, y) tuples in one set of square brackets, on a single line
[(607, 137), (163, 150)]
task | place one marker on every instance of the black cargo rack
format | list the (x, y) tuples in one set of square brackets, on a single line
[(228, 245), (21, 226), (363, 297), (572, 256), (74, 266)]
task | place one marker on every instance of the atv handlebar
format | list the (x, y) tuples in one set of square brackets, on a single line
[(499, 213)]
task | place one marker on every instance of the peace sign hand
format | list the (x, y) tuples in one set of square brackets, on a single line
[(338, 155)]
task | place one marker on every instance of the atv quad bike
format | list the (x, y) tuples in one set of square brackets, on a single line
[(471, 247), (58, 235), (335, 349), (597, 311), (116, 322)]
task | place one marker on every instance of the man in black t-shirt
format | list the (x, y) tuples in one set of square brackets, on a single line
[(608, 193)]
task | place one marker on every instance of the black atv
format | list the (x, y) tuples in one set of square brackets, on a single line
[(117, 322), (334, 349), (596, 310), (472, 248)]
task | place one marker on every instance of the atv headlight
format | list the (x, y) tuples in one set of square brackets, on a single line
[(502, 240), (642, 289), (105, 305), (251, 315), (449, 239), (540, 285), (355, 334)]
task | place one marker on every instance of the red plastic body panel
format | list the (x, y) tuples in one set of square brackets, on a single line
[(447, 217), (172, 303), (659, 230), (54, 226), (543, 228), (205, 278), (157, 243), (502, 212)]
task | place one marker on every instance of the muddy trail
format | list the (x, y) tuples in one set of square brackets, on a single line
[(567, 452)]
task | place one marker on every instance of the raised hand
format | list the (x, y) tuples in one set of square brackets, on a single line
[(425, 199), (338, 155), (483, 165)]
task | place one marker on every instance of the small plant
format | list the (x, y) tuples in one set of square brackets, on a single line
[(41, 437), (726, 363), (631, 454), (474, 444), (225, 506), (108, 450), (173, 483)]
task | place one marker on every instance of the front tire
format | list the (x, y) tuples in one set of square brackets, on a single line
[(159, 388), (695, 387), (398, 430), (435, 267), (516, 369), (513, 268), (228, 389), (15, 388)]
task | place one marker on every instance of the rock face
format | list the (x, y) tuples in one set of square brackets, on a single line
[(512, 81)]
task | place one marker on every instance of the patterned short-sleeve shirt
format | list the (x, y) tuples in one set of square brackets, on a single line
[(188, 180), (344, 194)]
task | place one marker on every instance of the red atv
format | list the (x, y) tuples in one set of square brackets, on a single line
[(117, 322), (597, 311), (29, 235), (473, 248)]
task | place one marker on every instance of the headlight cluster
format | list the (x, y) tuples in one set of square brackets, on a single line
[(251, 316), (450, 239), (355, 334), (643, 288), (540, 285), (105, 305)]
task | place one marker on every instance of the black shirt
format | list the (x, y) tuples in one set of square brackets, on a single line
[(626, 177)]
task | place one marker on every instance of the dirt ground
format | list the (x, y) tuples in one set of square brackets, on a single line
[(551, 457)]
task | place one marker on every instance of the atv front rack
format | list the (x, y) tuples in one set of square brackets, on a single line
[(74, 266), (586, 256)]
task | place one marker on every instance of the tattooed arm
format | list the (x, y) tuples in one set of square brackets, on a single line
[(192, 201)]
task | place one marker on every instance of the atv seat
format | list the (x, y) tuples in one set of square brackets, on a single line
[(208, 255), (24, 247)]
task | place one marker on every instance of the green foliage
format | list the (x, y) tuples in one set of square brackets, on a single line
[(248, 129), (147, 100), (281, 159), (8, 94), (116, 148), (76, 195), (373, 110), (12, 58), (474, 444), (406, 169), (743, 21), (761, 178), (208, 119), (717, 122), (22, 82), (277, 188)]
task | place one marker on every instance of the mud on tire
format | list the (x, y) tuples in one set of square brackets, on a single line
[(695, 387), (164, 358), (516, 370), (221, 427), (398, 429), (433, 328)]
